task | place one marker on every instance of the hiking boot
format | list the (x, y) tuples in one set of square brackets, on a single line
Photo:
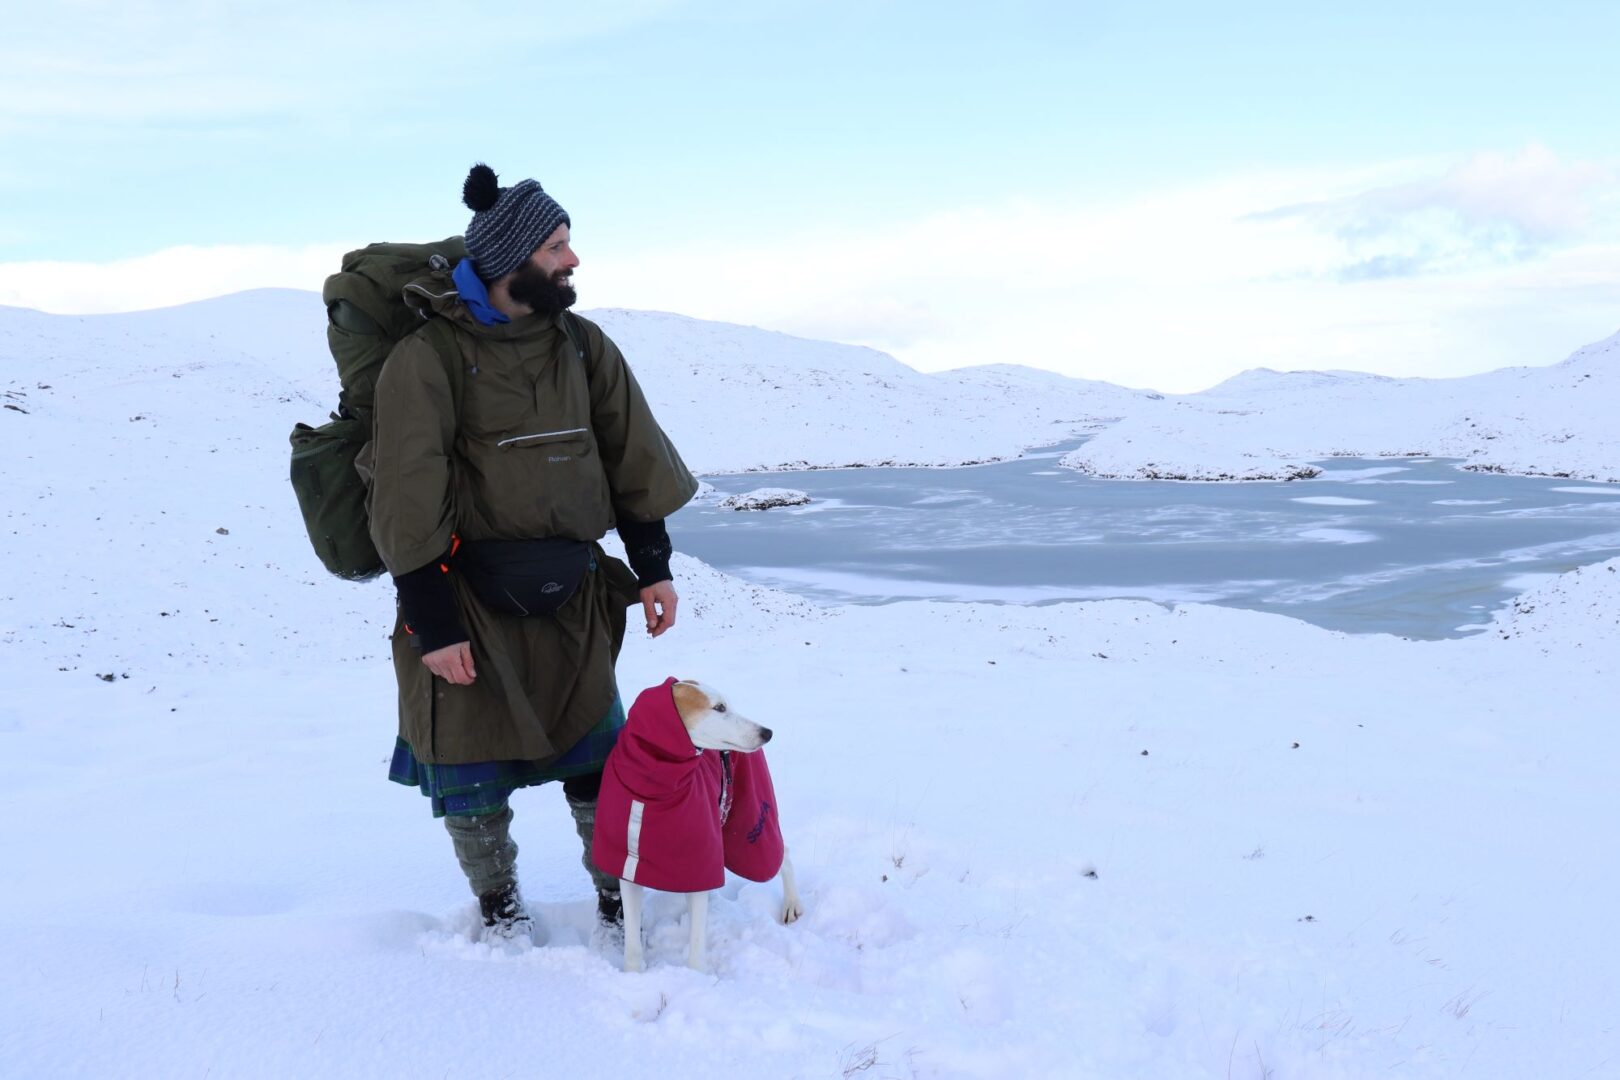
[(607, 935), (504, 915), (610, 908)]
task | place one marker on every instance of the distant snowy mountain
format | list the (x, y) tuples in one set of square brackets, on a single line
[(1550, 421), (737, 397), (1267, 381)]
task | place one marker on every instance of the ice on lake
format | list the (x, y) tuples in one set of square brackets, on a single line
[(1022, 532)]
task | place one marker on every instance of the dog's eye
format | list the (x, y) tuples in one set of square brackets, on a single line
[(720, 707)]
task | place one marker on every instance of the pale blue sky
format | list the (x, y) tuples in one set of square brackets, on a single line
[(1153, 193)]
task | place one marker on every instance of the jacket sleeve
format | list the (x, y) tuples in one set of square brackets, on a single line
[(647, 476), (428, 605), (647, 547), (413, 429)]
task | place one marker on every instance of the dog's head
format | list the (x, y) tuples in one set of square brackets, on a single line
[(712, 724)]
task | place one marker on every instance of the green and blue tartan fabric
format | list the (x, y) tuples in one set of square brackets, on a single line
[(482, 787)]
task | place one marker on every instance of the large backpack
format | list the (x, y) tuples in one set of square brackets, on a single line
[(366, 317)]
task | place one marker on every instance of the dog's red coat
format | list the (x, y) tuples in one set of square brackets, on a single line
[(684, 843)]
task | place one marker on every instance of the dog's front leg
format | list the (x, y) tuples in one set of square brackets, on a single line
[(792, 906), (697, 906), (630, 893)]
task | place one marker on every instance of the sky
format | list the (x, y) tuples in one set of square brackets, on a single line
[(1158, 194)]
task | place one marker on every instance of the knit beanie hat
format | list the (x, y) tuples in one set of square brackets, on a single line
[(507, 223)]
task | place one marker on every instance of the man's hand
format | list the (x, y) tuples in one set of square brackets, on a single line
[(658, 603), (453, 663)]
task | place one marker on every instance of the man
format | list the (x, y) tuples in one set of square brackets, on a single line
[(487, 511)]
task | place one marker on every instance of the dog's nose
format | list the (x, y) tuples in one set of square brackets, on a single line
[(764, 735)]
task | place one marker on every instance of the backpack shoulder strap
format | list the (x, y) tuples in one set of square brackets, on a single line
[(442, 336), (576, 336)]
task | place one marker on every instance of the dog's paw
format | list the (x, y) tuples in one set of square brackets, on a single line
[(791, 910)]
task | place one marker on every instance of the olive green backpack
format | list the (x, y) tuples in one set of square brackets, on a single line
[(366, 316)]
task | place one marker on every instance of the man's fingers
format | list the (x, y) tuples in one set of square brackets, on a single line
[(453, 664), (658, 607)]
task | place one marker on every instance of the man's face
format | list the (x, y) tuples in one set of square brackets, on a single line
[(542, 283)]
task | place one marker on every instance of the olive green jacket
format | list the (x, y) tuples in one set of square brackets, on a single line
[(544, 445)]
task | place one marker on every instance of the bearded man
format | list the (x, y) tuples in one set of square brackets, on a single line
[(487, 501)]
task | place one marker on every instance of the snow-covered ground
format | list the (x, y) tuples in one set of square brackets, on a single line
[(1105, 839)]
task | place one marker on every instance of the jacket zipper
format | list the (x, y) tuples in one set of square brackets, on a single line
[(540, 435)]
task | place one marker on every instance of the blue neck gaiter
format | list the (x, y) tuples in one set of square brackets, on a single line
[(475, 294)]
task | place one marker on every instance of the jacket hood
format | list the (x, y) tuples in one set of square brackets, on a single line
[(436, 293), (655, 753)]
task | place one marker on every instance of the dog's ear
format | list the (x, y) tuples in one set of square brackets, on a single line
[(689, 700)]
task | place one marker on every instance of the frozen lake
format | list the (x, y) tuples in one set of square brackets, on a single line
[(1414, 547)]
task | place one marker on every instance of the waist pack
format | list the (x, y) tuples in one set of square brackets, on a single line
[(524, 577)]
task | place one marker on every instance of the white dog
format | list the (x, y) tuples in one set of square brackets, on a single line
[(686, 795)]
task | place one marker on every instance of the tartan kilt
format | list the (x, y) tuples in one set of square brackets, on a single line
[(482, 787)]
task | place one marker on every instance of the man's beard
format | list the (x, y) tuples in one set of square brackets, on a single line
[(541, 292)]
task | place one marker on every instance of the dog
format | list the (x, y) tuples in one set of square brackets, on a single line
[(686, 795)]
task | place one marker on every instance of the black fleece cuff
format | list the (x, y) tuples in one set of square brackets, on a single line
[(646, 544), (429, 606)]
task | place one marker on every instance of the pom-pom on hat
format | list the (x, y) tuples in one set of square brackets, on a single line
[(507, 223)]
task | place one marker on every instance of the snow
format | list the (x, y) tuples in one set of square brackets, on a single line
[(1101, 839)]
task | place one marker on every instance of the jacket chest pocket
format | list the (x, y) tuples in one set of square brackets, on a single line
[(561, 475), (512, 407), (517, 399), (497, 404)]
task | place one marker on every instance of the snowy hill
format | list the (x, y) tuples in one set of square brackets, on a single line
[(733, 397), (1084, 840), (736, 398), (1549, 421)]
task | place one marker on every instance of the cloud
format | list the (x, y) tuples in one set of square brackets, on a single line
[(1176, 289), (1491, 209), (173, 276)]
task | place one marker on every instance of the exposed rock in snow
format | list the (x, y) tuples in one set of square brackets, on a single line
[(764, 499)]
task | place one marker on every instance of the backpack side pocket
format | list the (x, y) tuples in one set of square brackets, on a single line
[(332, 496)]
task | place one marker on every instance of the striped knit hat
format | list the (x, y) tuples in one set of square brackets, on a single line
[(507, 223)]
